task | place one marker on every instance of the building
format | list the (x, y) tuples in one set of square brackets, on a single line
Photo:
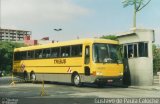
[(45, 40), (13, 35), (29, 41), (138, 56)]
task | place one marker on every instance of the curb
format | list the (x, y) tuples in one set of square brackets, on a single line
[(146, 87)]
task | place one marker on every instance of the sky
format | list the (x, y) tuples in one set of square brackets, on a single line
[(76, 18)]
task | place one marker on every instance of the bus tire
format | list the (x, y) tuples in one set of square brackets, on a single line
[(76, 80), (100, 85), (25, 76), (33, 77)]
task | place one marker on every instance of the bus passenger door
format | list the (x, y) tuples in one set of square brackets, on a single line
[(87, 61)]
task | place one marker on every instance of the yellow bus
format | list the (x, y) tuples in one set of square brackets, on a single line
[(76, 61)]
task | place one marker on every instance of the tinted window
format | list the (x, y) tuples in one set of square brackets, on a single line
[(76, 50), (55, 52), (30, 55), (17, 56), (135, 50), (23, 55), (125, 51), (65, 51), (38, 54), (46, 53), (143, 49)]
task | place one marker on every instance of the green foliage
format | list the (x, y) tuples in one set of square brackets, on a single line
[(6, 54), (139, 4), (112, 37), (156, 58)]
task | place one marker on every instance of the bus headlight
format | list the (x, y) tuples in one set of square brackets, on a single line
[(120, 73), (98, 73)]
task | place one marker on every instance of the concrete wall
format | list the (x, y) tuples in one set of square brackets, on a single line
[(141, 71), (141, 68)]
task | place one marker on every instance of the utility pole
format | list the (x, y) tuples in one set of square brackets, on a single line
[(138, 6), (134, 16), (57, 30)]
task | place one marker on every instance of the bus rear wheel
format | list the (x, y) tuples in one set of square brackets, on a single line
[(76, 80), (100, 85), (25, 76)]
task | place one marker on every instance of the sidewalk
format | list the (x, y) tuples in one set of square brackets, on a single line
[(153, 87)]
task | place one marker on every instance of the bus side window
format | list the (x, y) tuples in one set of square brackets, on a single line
[(38, 54), (55, 52), (65, 51), (87, 55), (76, 50), (30, 55), (46, 53), (23, 55), (17, 56)]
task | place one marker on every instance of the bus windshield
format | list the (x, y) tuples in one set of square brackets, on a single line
[(106, 53)]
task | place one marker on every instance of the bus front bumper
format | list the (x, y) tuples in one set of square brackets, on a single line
[(109, 80), (102, 79)]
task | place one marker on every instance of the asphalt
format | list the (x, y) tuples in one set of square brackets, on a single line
[(62, 93), (152, 87)]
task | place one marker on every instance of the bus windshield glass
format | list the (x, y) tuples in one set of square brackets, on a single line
[(106, 53)]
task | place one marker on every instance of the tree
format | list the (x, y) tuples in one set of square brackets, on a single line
[(138, 6), (6, 54), (112, 37), (156, 58)]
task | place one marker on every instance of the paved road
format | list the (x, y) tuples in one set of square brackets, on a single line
[(67, 91)]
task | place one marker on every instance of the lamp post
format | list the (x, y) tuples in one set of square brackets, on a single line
[(59, 29)]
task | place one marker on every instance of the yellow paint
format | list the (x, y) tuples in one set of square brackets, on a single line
[(61, 65), (43, 93)]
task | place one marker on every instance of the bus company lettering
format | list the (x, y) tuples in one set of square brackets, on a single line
[(59, 61)]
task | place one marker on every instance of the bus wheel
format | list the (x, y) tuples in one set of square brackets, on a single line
[(76, 80), (100, 85), (25, 77), (32, 77)]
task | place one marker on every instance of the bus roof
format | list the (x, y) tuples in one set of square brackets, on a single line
[(65, 43)]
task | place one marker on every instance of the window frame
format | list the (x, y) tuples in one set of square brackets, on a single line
[(59, 51), (44, 53), (39, 53), (138, 52), (64, 54), (80, 51), (32, 57), (39, 57), (21, 53)]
